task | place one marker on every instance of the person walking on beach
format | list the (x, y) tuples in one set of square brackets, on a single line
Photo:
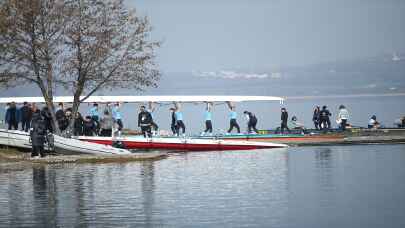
[(324, 117), (343, 117), (252, 122), (26, 116), (12, 117), (316, 118), (208, 118), (284, 120), (38, 134), (145, 122)]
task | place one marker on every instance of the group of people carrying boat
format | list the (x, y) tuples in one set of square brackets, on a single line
[(101, 123)]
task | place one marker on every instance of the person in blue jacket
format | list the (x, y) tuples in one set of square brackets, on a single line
[(233, 119), (208, 119)]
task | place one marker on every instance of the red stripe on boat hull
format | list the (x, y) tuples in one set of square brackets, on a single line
[(181, 146)]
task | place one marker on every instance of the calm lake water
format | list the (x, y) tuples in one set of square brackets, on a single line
[(339, 186)]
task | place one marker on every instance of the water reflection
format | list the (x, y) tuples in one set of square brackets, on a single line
[(40, 196), (148, 191), (295, 187)]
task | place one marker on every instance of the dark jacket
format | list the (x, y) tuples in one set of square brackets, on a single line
[(78, 126), (39, 129), (284, 117), (89, 128), (62, 120), (324, 114), (252, 118), (316, 115), (144, 119), (47, 118), (25, 113), (173, 119), (11, 115)]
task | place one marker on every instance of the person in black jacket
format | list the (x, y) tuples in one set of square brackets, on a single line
[(47, 118), (145, 122), (61, 118), (252, 121), (173, 126), (26, 116), (78, 125), (89, 126), (12, 117), (38, 134), (284, 119), (316, 117), (324, 118)]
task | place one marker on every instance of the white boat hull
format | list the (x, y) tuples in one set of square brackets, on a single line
[(21, 139)]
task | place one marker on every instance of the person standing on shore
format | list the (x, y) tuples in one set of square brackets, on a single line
[(324, 117), (179, 120), (106, 124), (61, 117), (145, 122), (12, 117), (173, 126), (284, 120), (208, 118), (154, 125), (252, 122), (343, 117), (38, 134), (316, 118), (116, 113), (95, 116), (233, 119), (26, 116)]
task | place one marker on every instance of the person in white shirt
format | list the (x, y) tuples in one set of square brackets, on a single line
[(343, 117)]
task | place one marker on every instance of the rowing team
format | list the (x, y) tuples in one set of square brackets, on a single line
[(147, 124)]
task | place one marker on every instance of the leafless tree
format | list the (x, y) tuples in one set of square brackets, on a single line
[(80, 45)]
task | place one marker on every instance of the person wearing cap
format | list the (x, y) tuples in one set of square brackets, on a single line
[(343, 117), (252, 122)]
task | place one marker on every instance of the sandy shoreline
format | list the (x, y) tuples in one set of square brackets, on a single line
[(12, 159)]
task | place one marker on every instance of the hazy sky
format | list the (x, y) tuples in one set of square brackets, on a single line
[(210, 35)]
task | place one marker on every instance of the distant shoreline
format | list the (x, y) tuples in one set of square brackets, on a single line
[(344, 96)]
